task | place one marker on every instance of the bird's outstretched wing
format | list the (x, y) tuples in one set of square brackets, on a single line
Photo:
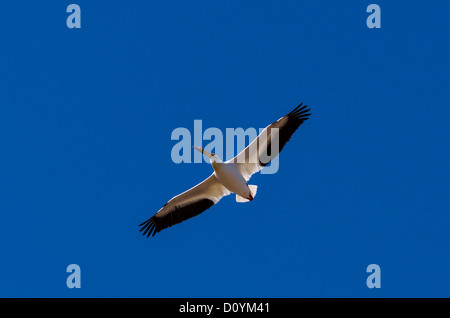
[(260, 151), (185, 205)]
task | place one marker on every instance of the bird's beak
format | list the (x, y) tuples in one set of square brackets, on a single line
[(207, 154)]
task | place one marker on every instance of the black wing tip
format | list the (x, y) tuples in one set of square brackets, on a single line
[(301, 112), (158, 223), (149, 227)]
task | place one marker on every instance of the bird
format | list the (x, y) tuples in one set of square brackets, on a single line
[(228, 177)]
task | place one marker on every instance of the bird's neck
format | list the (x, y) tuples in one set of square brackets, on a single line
[(216, 164)]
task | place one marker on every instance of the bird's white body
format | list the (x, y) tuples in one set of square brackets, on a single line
[(229, 175)]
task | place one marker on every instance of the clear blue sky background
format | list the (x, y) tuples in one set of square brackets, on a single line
[(85, 125)]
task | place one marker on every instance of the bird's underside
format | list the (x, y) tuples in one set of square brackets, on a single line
[(233, 179)]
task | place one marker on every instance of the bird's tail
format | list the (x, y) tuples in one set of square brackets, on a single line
[(253, 189)]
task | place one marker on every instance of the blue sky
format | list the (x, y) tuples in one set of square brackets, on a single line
[(85, 126)]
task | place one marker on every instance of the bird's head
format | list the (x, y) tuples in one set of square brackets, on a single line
[(212, 157)]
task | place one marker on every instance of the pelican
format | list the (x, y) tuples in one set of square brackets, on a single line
[(228, 177)]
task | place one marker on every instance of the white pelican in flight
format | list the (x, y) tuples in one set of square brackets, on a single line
[(228, 177)]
